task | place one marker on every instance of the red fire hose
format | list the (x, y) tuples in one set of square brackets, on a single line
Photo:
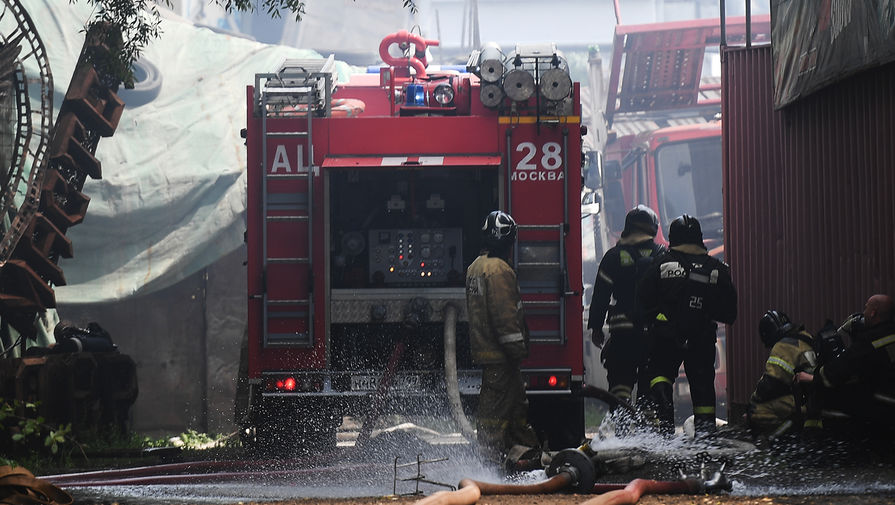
[(631, 493), (552, 485), (612, 494), (574, 470)]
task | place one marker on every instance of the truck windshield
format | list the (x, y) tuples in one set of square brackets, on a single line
[(689, 181)]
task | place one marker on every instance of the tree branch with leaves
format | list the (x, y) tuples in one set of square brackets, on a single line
[(137, 23)]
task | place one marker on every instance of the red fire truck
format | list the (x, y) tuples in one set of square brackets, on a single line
[(664, 137), (365, 206)]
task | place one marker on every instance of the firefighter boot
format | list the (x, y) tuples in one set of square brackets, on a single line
[(662, 396), (704, 420)]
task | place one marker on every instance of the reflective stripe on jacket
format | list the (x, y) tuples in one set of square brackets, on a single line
[(772, 402)]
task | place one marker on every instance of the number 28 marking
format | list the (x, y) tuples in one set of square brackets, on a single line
[(551, 158)]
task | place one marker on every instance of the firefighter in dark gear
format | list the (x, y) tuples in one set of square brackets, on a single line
[(620, 269), (683, 293), (499, 337), (859, 380), (776, 407)]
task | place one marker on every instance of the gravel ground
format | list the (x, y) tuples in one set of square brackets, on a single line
[(573, 499)]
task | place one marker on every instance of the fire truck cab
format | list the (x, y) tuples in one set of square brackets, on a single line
[(663, 146), (365, 206)]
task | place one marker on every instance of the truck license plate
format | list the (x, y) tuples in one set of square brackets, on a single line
[(371, 382)]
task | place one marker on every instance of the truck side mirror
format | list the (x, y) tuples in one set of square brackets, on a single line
[(590, 204), (593, 169)]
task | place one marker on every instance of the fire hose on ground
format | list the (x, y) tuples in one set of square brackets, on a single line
[(574, 470)]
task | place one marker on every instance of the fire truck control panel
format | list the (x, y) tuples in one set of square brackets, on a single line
[(423, 256)]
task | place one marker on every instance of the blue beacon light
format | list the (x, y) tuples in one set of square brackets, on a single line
[(415, 95)]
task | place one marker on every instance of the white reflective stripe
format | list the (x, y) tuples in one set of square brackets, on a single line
[(671, 269), (884, 341), (713, 277), (884, 398), (702, 278), (510, 338), (620, 322), (774, 360), (519, 305), (601, 274)]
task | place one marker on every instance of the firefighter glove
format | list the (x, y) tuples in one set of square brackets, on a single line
[(597, 337)]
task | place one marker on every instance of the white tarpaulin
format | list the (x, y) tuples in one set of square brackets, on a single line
[(172, 197)]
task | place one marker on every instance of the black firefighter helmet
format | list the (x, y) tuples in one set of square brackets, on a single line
[(772, 326), (641, 219), (685, 230), (499, 231)]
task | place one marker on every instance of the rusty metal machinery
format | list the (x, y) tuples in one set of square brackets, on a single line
[(44, 166)]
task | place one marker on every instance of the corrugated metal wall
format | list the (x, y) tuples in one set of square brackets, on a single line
[(810, 201)]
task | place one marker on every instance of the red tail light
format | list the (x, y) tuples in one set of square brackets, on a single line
[(547, 380)]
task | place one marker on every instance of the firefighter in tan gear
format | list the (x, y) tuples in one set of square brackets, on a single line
[(499, 340), (776, 407)]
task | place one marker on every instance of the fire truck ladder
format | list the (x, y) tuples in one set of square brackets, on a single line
[(544, 274), (302, 89)]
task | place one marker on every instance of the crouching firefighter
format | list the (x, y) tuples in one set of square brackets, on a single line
[(499, 336), (683, 293), (624, 356), (777, 405)]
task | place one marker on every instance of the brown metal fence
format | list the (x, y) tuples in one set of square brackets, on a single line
[(809, 190)]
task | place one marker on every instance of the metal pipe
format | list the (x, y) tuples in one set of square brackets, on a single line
[(723, 25), (748, 23)]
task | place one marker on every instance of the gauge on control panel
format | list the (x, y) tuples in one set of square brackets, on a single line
[(415, 256)]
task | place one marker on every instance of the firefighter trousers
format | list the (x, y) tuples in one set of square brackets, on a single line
[(502, 417), (625, 357), (698, 356)]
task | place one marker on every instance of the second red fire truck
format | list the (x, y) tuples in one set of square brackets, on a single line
[(365, 206)]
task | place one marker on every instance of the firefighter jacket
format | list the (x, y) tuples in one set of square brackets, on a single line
[(685, 290), (497, 329), (620, 269), (869, 361), (773, 402)]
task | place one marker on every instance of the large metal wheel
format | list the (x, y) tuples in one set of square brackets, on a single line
[(26, 116)]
